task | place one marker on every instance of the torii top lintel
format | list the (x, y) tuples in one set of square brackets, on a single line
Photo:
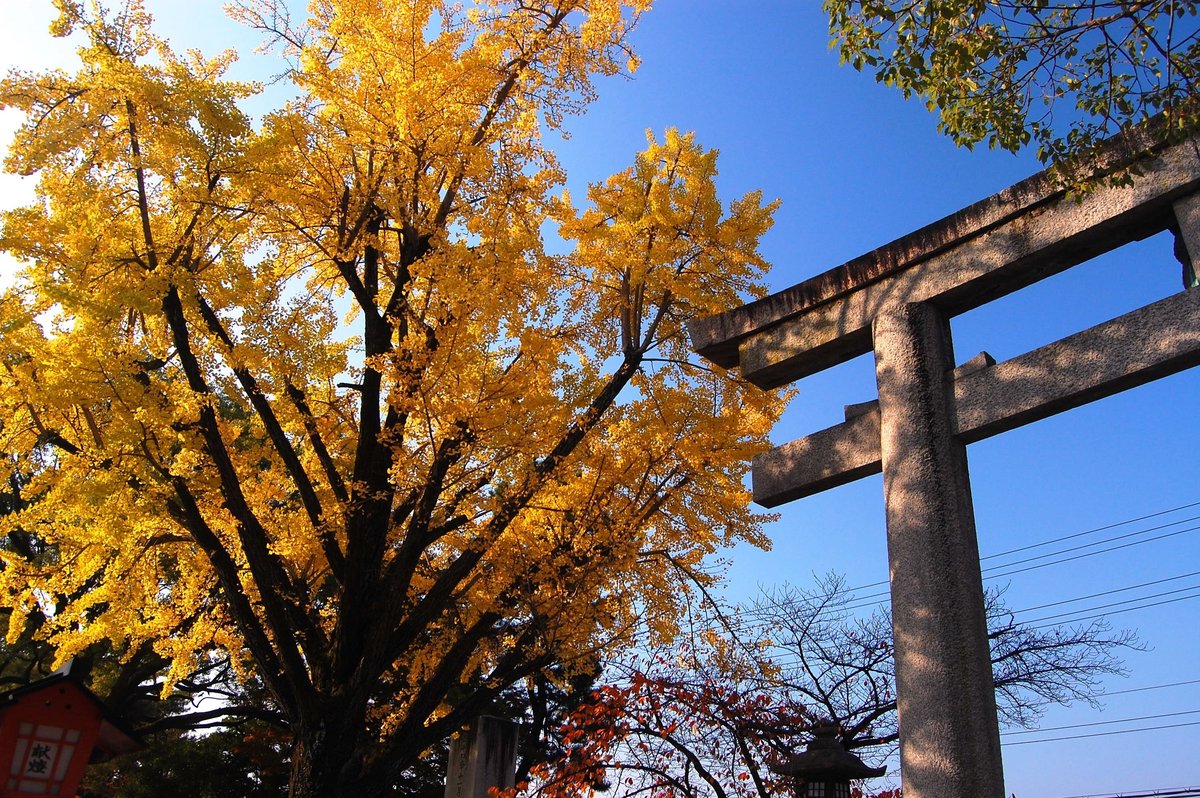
[(1016, 237), (994, 247)]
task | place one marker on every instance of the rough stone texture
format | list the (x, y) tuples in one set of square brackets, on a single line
[(834, 456), (1155, 341), (482, 756), (1021, 249), (1187, 241), (1144, 345), (981, 361), (949, 737)]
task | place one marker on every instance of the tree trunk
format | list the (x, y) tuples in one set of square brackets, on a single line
[(326, 763)]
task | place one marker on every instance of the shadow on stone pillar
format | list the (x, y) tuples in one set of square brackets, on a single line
[(482, 756), (945, 698)]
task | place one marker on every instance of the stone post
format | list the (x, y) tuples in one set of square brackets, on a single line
[(949, 736), (482, 756), (1187, 237)]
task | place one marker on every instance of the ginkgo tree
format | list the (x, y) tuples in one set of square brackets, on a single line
[(357, 398)]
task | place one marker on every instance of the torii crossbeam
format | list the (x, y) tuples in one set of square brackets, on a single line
[(897, 301)]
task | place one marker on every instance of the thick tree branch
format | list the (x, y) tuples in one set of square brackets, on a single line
[(194, 720), (279, 440), (280, 596), (282, 677), (332, 475)]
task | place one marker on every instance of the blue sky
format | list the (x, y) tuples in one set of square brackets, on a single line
[(856, 167)]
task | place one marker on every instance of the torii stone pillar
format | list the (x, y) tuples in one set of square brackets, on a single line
[(482, 756), (949, 739)]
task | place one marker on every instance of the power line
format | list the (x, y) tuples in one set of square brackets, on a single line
[(1103, 615), (1165, 792), (1107, 592), (765, 620), (1151, 687), (1093, 530), (1087, 554), (864, 602), (1104, 722), (1060, 539), (1147, 688), (1082, 546), (1113, 604), (1116, 612), (1106, 733), (1036, 623)]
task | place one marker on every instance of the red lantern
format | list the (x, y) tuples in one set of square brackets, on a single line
[(49, 731)]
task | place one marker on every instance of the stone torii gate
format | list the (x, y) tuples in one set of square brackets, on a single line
[(897, 300)]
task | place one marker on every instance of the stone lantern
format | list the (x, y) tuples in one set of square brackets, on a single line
[(825, 768), (49, 731)]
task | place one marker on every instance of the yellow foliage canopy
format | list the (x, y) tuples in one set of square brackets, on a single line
[(320, 397)]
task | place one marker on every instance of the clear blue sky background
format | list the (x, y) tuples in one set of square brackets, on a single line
[(857, 167)]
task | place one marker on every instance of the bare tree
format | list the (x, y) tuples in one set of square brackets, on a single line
[(840, 660)]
